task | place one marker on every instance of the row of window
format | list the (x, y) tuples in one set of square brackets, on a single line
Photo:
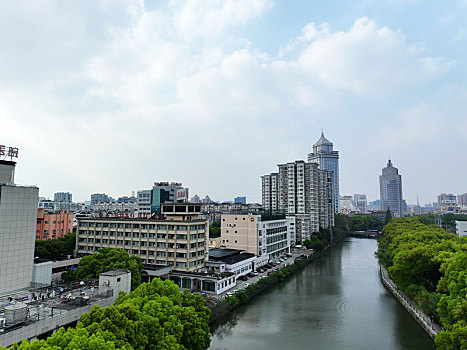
[(148, 252), (141, 226), (184, 237), (142, 244)]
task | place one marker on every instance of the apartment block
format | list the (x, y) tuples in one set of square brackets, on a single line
[(53, 224)]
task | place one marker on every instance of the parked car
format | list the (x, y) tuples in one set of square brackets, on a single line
[(243, 278), (255, 273), (251, 274)]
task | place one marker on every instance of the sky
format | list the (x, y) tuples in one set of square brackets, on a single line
[(112, 95)]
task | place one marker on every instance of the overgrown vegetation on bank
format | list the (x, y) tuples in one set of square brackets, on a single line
[(155, 315), (430, 265)]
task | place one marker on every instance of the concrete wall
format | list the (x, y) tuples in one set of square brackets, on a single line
[(42, 274), (423, 320), (18, 214)]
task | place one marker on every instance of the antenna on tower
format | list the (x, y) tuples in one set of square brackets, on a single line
[(418, 204)]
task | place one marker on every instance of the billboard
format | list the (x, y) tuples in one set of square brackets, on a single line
[(182, 195)]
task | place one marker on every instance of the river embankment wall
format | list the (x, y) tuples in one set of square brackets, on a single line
[(430, 327)]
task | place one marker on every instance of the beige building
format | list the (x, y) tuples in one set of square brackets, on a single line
[(180, 240), (249, 233)]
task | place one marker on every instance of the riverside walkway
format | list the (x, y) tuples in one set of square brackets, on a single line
[(423, 320)]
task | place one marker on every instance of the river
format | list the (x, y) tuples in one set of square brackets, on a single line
[(336, 302)]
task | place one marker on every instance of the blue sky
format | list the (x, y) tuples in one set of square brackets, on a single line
[(109, 96)]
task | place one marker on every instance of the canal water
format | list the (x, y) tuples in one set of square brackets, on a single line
[(336, 302)]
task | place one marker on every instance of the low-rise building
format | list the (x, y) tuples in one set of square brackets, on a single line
[(461, 228), (53, 224), (250, 233), (230, 260)]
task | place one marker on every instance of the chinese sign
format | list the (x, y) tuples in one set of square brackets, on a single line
[(11, 152)]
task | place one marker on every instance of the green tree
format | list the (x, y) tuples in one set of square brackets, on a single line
[(215, 229), (108, 259), (388, 216), (55, 248)]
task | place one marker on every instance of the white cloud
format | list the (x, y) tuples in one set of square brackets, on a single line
[(161, 91)]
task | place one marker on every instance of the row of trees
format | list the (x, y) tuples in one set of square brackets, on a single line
[(155, 315), (430, 264), (55, 248)]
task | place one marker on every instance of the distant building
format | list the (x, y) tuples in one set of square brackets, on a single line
[(240, 200), (100, 198), (390, 189), (327, 159), (65, 197), (360, 202), (53, 224), (249, 233), (446, 198), (462, 200), (195, 199), (375, 205), (150, 201), (18, 215), (347, 205)]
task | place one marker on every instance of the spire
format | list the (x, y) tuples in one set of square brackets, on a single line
[(322, 140)]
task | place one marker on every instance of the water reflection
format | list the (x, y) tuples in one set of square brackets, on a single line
[(337, 302)]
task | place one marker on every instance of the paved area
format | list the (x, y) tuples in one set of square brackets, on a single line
[(244, 284)]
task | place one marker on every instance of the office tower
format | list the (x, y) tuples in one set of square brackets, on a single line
[(327, 159), (18, 214), (390, 189)]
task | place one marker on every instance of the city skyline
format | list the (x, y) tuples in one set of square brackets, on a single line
[(109, 97)]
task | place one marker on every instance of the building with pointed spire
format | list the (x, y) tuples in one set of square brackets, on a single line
[(327, 159), (390, 189)]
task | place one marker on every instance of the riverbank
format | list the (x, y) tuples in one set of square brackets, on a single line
[(430, 327), (225, 307)]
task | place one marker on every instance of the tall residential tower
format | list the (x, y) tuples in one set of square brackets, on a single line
[(327, 159)]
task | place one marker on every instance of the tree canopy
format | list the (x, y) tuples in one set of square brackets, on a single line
[(155, 315), (55, 248), (105, 260), (430, 264)]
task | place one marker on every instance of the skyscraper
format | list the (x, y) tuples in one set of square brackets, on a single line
[(390, 189), (327, 159)]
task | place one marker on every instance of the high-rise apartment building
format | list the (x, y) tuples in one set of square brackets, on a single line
[(18, 214), (65, 197), (327, 159), (301, 190), (390, 189)]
